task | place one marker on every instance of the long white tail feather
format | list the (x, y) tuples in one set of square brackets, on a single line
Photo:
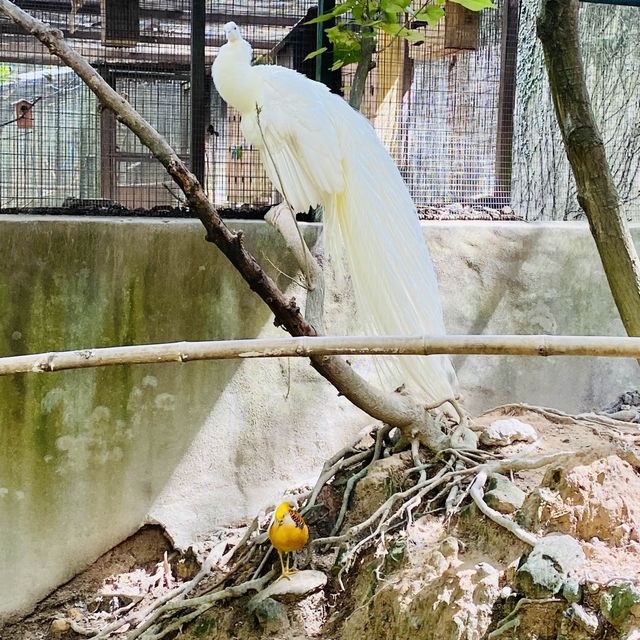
[(317, 150), (391, 270)]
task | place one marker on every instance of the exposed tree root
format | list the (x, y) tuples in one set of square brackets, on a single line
[(153, 629), (351, 482), (619, 429), (439, 484), (477, 493)]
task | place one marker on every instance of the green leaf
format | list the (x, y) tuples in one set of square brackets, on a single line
[(476, 5), (346, 45), (323, 18), (432, 14), (338, 10), (390, 18), (372, 5), (339, 36), (412, 35), (344, 7), (338, 64), (394, 6), (315, 53), (393, 29)]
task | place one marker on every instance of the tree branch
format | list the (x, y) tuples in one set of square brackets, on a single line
[(364, 66), (477, 493), (283, 220), (558, 31), (323, 346)]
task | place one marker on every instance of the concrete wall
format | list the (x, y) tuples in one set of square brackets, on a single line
[(87, 456), (524, 279)]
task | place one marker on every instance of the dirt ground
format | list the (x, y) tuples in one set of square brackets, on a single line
[(145, 567)]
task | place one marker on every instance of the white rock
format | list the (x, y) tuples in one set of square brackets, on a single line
[(503, 432), (59, 627), (486, 569), (464, 438), (505, 592), (298, 584)]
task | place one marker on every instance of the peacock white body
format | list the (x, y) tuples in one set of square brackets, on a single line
[(317, 150)]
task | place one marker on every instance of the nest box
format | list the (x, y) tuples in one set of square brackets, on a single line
[(120, 22), (461, 27), (24, 114)]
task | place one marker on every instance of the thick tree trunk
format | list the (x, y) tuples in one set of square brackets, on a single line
[(597, 195)]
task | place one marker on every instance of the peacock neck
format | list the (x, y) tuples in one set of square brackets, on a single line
[(232, 76)]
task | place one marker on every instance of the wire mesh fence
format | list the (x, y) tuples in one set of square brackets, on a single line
[(51, 152), (466, 115), (441, 108), (67, 148)]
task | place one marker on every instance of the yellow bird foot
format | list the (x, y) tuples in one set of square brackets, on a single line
[(288, 573)]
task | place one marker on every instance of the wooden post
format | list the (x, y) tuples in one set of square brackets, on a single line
[(199, 112), (506, 101), (390, 77), (461, 27), (108, 160)]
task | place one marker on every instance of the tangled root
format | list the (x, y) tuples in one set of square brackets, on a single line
[(439, 483)]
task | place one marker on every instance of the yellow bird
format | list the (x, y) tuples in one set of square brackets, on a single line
[(288, 532)]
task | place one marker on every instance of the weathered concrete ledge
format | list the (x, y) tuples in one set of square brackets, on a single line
[(87, 456)]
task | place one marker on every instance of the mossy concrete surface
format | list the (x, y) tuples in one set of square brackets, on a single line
[(84, 454), (87, 456)]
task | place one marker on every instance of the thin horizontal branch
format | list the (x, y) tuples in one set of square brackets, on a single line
[(533, 345)]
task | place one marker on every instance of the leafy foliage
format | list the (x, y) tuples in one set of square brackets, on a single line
[(368, 18)]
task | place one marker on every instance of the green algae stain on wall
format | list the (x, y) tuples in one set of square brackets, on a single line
[(83, 453)]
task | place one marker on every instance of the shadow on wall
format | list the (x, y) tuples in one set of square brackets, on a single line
[(84, 453)]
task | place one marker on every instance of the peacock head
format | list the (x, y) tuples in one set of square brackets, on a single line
[(232, 32)]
